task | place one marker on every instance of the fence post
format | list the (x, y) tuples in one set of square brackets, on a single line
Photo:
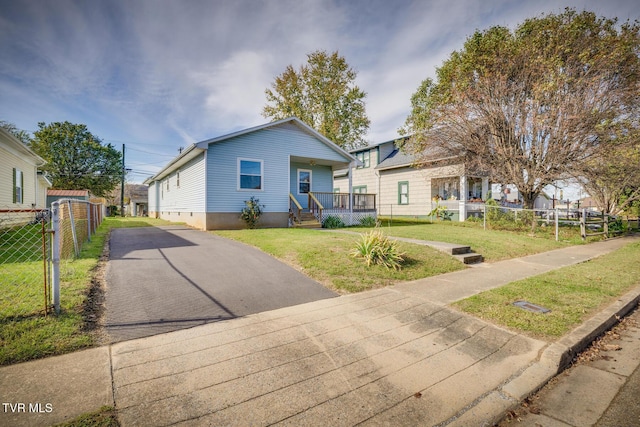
[(605, 225), (484, 216), (583, 224), (555, 214), (73, 229), (88, 221), (55, 256)]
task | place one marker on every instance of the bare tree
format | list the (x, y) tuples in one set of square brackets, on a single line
[(535, 105)]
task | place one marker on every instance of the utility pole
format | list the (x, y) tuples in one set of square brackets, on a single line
[(122, 185)]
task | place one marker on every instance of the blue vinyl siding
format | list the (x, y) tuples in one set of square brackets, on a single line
[(321, 180), (273, 146), (222, 177), (189, 195)]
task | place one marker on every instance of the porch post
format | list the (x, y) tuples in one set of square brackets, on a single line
[(463, 198), (485, 188), (351, 193)]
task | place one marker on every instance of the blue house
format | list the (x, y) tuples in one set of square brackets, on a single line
[(285, 164)]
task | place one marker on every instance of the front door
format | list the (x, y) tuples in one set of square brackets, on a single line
[(304, 187)]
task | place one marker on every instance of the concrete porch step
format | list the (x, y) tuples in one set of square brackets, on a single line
[(469, 258)]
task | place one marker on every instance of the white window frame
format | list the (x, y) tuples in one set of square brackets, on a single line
[(310, 180), (18, 189), (239, 174)]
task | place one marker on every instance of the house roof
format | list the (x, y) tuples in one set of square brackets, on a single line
[(19, 148), (398, 158), (68, 193), (194, 149)]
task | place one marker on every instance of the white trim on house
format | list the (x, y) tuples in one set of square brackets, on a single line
[(310, 180), (196, 149), (239, 174)]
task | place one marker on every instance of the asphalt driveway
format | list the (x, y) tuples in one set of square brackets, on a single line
[(161, 279)]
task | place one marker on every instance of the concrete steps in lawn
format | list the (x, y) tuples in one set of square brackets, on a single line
[(462, 253)]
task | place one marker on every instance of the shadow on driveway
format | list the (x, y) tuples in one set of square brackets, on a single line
[(161, 279)]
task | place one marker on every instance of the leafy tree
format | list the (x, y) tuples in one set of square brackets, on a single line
[(535, 104), (76, 159), (22, 135), (613, 178), (322, 94)]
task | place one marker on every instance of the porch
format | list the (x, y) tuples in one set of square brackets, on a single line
[(351, 208), (462, 196)]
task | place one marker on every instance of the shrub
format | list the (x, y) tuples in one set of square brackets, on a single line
[(376, 248), (333, 221), (251, 212), (368, 221), (441, 212)]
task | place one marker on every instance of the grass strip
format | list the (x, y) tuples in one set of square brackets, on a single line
[(104, 417), (573, 294)]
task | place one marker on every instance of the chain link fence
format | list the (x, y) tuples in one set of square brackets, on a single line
[(33, 244), (25, 248)]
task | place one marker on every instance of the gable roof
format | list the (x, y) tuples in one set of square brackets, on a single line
[(17, 147), (195, 149)]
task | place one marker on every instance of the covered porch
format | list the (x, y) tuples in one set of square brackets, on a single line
[(351, 208), (463, 196)]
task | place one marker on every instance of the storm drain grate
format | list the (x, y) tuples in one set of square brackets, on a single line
[(531, 307)]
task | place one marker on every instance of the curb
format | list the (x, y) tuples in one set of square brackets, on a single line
[(558, 356)]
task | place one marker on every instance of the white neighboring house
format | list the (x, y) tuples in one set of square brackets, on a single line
[(407, 191), (22, 186)]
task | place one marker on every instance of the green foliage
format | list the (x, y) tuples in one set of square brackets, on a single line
[(76, 159), (368, 221), (22, 135), (333, 221), (322, 94), (441, 212), (251, 212), (376, 248), (617, 226)]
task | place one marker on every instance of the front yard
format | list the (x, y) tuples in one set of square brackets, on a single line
[(324, 256)]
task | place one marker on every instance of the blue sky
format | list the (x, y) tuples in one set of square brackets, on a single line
[(157, 75)]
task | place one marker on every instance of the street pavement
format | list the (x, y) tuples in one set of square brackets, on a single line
[(394, 356), (603, 390)]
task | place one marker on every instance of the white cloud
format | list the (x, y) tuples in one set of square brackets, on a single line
[(235, 88)]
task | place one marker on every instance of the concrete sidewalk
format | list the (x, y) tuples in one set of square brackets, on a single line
[(394, 356)]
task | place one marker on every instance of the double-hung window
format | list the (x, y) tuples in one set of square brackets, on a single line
[(18, 185), (250, 174), (403, 192), (304, 181), (365, 158)]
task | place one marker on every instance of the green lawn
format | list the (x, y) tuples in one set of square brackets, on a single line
[(324, 256), (494, 245), (573, 294), (35, 336)]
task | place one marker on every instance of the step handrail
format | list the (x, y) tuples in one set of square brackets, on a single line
[(315, 207), (294, 208)]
